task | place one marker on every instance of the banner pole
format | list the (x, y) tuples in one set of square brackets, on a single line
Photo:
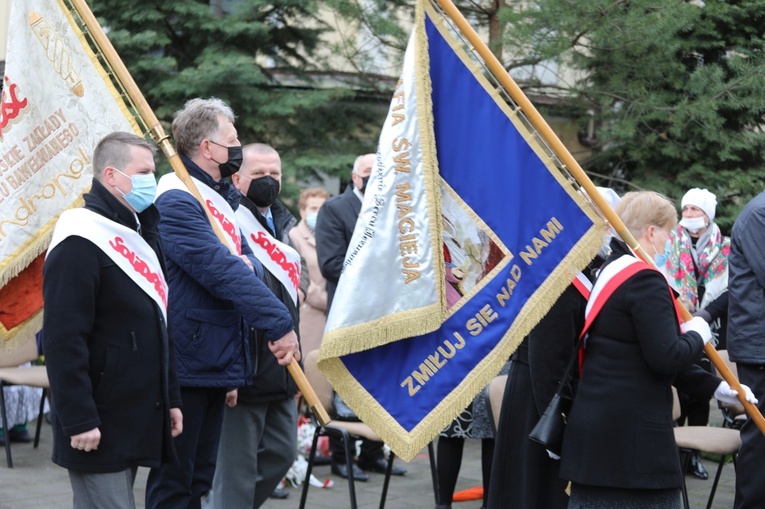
[(560, 150), (163, 141)]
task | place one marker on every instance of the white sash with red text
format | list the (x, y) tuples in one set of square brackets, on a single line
[(216, 204), (277, 257), (122, 245)]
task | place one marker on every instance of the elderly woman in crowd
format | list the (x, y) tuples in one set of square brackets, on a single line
[(697, 268), (619, 448)]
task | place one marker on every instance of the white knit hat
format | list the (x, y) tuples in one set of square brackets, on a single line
[(702, 199)]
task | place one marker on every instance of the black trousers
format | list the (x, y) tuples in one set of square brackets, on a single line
[(750, 467), (182, 486)]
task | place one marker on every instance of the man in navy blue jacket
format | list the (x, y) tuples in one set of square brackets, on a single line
[(216, 295)]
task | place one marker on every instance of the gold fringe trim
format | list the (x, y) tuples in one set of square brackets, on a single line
[(384, 330), (30, 250), (26, 254), (16, 263), (415, 322), (408, 444), (12, 339)]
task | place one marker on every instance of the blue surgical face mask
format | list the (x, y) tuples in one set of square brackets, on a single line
[(661, 258), (143, 192), (310, 220)]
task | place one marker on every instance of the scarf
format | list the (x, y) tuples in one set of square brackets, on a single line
[(709, 259)]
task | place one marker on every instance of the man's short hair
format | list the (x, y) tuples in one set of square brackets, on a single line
[(113, 150), (198, 120), (260, 148)]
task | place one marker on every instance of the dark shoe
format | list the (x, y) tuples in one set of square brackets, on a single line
[(381, 466), (696, 468), (322, 460), (342, 470), (22, 436), (279, 494)]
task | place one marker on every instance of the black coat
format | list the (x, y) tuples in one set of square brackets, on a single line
[(270, 381), (523, 475), (107, 352), (334, 229), (746, 287), (619, 433)]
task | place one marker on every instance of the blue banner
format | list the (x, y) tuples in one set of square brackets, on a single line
[(511, 234)]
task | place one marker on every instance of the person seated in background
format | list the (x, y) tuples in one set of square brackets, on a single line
[(619, 449), (697, 268)]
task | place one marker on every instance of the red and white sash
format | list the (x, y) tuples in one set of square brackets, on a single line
[(277, 257), (583, 284), (216, 204), (121, 244), (609, 279)]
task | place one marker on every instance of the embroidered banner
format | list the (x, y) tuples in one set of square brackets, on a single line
[(57, 103), (467, 235)]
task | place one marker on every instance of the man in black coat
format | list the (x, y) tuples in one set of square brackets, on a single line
[(259, 436), (114, 388), (746, 340), (334, 229)]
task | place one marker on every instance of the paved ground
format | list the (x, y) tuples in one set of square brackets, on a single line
[(35, 483)]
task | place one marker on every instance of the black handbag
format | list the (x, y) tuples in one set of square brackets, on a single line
[(550, 427)]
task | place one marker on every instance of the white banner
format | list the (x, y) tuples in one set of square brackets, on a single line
[(394, 232), (57, 103)]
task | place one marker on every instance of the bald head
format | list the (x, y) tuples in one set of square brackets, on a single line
[(362, 168)]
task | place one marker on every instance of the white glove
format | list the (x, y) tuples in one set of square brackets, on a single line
[(698, 325), (725, 394), (555, 456)]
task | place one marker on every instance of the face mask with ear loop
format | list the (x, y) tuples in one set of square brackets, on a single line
[(694, 224), (143, 192), (660, 259)]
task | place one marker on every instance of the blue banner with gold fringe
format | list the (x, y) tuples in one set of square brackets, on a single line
[(467, 235)]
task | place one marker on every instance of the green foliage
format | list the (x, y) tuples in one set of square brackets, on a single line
[(675, 88), (262, 59)]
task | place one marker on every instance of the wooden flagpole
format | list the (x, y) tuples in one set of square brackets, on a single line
[(560, 150), (163, 140)]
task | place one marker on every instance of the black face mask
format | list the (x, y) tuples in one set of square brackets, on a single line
[(233, 163), (364, 181), (263, 191)]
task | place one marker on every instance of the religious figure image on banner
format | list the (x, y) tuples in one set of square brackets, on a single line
[(469, 251), (468, 233)]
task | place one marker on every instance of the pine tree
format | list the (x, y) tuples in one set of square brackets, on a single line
[(261, 58), (675, 89)]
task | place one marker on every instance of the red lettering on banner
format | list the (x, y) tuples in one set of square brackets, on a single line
[(278, 256), (141, 267), (10, 105), (227, 226)]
